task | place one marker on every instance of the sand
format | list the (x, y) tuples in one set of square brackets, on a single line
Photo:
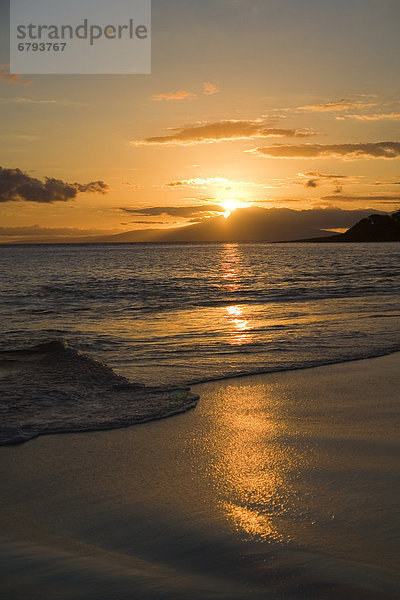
[(280, 485)]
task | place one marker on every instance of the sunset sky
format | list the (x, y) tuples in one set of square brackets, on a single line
[(269, 103)]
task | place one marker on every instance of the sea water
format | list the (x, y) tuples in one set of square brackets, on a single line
[(171, 315)]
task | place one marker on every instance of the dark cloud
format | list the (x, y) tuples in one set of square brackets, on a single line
[(311, 183), (324, 176), (175, 211), (148, 223), (367, 150), (223, 131), (16, 185), (98, 187), (386, 183)]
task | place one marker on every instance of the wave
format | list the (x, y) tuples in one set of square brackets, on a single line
[(53, 388)]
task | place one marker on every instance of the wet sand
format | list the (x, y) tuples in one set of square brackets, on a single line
[(275, 486)]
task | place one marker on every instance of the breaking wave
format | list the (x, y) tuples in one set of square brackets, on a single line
[(53, 388)]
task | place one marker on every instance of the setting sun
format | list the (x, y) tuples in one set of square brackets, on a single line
[(230, 205)]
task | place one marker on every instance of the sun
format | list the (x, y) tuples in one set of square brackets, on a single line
[(230, 205)]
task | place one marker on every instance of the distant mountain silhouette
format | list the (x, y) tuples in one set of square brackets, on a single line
[(375, 228), (250, 225)]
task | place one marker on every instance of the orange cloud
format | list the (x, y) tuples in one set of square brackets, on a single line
[(201, 182), (222, 131), (351, 151), (342, 104), (12, 77), (210, 88), (313, 179), (181, 95), (394, 116)]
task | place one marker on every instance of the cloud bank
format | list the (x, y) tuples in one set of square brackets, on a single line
[(36, 231), (176, 211)]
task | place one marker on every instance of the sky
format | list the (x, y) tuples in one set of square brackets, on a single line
[(268, 103)]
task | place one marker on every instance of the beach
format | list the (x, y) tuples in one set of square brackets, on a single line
[(275, 486), (199, 300)]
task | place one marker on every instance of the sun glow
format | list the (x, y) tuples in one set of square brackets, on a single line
[(230, 205)]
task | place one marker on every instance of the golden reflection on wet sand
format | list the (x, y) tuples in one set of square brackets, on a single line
[(253, 462)]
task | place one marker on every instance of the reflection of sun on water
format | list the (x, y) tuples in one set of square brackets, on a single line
[(230, 267), (241, 327), (234, 311), (240, 324), (234, 315)]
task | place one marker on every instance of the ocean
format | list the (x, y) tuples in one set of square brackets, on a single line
[(170, 315)]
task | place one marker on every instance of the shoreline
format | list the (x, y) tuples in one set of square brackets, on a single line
[(21, 437), (292, 369), (269, 488), (168, 415)]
